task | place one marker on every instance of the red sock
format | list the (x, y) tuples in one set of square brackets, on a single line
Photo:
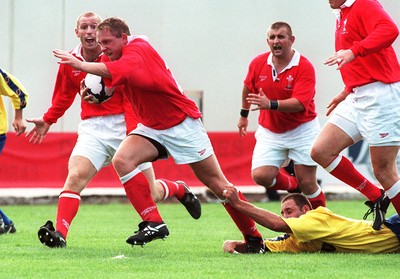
[(284, 181), (68, 205), (344, 170), (172, 189), (245, 224), (317, 199), (137, 189)]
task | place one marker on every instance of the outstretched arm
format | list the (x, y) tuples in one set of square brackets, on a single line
[(261, 216), (96, 68), (38, 133)]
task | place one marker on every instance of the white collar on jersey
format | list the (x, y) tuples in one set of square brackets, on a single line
[(131, 38), (77, 51), (294, 62), (346, 4)]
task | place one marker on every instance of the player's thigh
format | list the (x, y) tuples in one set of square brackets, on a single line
[(329, 142), (133, 151), (209, 172)]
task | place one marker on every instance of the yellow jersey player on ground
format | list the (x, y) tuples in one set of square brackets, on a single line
[(315, 230)]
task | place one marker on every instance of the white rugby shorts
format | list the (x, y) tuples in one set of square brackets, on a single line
[(186, 142), (272, 149), (372, 113), (99, 138)]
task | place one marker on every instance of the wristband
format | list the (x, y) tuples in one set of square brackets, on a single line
[(244, 113), (273, 105)]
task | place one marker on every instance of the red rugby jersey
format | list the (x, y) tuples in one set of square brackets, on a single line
[(368, 31), (67, 87), (297, 80), (149, 86)]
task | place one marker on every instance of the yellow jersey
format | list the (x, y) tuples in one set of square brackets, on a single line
[(11, 87), (322, 230)]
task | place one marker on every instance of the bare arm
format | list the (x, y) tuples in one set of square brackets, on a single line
[(243, 121), (261, 216), (95, 68), (18, 123)]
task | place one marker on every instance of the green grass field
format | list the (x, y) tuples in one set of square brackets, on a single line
[(96, 248)]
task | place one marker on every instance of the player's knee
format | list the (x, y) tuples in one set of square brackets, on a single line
[(316, 154), (118, 163)]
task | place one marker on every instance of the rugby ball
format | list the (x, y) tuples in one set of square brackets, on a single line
[(97, 88)]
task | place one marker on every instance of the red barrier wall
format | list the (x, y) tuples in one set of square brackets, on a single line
[(26, 165)]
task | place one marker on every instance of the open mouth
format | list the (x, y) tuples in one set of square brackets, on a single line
[(90, 40), (277, 47)]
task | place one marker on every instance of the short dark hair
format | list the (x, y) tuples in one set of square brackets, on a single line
[(116, 26), (299, 199), (280, 24)]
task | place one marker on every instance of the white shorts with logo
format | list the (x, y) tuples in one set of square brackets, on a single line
[(99, 138), (272, 149), (186, 142), (372, 113)]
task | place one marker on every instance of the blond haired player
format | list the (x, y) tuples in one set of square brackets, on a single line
[(102, 129), (170, 126)]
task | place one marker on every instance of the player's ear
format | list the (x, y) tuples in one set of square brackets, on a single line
[(124, 38), (306, 208), (292, 39)]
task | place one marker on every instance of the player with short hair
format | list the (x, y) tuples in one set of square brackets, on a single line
[(101, 131), (368, 107), (315, 230), (281, 84), (170, 126)]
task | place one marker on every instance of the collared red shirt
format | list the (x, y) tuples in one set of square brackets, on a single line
[(364, 27), (297, 80)]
